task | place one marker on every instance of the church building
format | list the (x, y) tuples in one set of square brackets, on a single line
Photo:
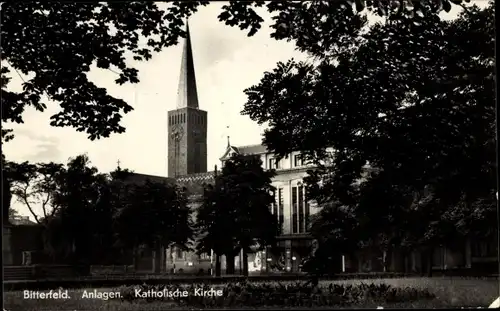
[(187, 167)]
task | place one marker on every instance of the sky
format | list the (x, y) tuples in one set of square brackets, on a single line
[(226, 62)]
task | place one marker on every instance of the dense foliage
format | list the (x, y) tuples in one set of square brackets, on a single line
[(91, 217), (281, 294), (401, 124), (52, 47), (235, 215), (155, 215)]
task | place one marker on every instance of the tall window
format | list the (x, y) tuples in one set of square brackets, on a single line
[(197, 154), (301, 210), (297, 160), (281, 208), (272, 208), (274, 164), (294, 210), (179, 254), (277, 207), (307, 211)]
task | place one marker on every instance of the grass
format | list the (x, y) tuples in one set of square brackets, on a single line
[(450, 292)]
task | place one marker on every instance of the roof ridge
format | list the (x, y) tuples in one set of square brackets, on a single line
[(134, 173), (253, 145)]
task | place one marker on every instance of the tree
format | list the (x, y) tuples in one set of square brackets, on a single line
[(214, 220), (155, 215), (334, 227), (52, 47), (81, 34), (72, 203), (13, 213), (414, 99), (79, 230), (34, 185), (238, 210), (6, 192)]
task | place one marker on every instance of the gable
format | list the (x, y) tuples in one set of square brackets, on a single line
[(230, 151)]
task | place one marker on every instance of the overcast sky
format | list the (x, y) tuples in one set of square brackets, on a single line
[(226, 62)]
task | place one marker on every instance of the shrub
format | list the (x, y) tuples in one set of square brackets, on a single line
[(281, 294)]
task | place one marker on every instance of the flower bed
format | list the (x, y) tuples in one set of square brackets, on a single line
[(280, 294)]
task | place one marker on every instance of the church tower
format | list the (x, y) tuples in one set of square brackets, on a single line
[(187, 125)]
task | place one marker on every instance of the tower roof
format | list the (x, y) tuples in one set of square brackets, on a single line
[(187, 93)]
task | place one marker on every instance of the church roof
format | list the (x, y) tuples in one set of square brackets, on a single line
[(187, 93), (244, 150), (137, 178), (251, 149)]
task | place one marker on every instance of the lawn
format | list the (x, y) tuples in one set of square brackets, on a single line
[(449, 292)]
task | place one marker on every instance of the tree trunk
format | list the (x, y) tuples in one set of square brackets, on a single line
[(402, 260), (429, 262), (157, 259), (245, 262), (217, 265), (163, 259), (423, 263), (6, 199), (134, 258), (384, 260), (230, 268)]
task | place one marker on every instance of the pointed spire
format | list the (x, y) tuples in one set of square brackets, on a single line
[(187, 93)]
